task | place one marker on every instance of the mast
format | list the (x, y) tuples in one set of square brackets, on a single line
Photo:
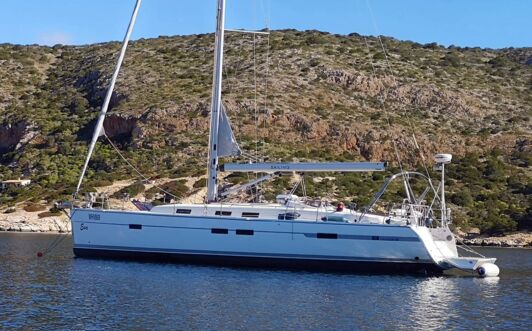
[(99, 124), (216, 103)]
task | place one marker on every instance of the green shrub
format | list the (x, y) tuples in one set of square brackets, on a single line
[(451, 59), (200, 183), (34, 207), (132, 190), (49, 214), (100, 183), (176, 187), (315, 39), (462, 198), (500, 61), (379, 56)]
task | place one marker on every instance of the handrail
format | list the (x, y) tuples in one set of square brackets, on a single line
[(418, 215), (387, 183)]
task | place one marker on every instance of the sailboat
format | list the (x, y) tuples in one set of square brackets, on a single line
[(292, 232)]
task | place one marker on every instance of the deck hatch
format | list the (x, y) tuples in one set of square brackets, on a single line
[(245, 232), (288, 216), (248, 214), (326, 235), (223, 213)]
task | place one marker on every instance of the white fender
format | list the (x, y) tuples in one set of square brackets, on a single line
[(488, 270)]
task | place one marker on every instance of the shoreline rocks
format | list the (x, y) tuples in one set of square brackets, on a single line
[(517, 240), (29, 222), (23, 223)]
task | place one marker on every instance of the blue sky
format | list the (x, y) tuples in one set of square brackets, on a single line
[(484, 23)]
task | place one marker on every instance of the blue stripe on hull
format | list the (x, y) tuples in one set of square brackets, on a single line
[(328, 265), (306, 234)]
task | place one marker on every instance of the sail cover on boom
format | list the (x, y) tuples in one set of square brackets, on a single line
[(227, 144)]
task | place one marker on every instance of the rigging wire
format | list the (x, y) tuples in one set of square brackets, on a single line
[(255, 105), (266, 76), (382, 101), (260, 139), (254, 53), (134, 168), (55, 243), (231, 86), (394, 81), (405, 113), (467, 248)]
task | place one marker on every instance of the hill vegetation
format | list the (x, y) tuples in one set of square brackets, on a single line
[(303, 96)]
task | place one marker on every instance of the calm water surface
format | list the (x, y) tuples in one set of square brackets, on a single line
[(62, 292)]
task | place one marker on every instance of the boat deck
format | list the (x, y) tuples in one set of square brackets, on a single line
[(299, 212)]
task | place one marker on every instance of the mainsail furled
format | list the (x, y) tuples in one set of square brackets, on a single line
[(227, 144)]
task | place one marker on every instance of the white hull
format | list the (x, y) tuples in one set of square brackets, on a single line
[(262, 242), (290, 233)]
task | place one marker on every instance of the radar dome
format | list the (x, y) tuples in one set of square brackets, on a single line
[(443, 158)]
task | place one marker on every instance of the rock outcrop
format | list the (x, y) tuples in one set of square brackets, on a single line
[(513, 240), (120, 128), (10, 136), (30, 222), (95, 88)]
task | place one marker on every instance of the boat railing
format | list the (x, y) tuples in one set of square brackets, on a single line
[(93, 200), (415, 214)]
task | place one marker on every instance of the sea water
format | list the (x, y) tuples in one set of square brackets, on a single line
[(58, 291)]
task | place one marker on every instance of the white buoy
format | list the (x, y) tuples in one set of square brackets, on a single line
[(488, 270)]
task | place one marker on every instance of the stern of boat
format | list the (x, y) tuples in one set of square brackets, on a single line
[(441, 245)]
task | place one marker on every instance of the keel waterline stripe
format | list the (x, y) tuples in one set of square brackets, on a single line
[(250, 254)]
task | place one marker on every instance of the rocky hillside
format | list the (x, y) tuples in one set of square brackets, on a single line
[(304, 95)]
